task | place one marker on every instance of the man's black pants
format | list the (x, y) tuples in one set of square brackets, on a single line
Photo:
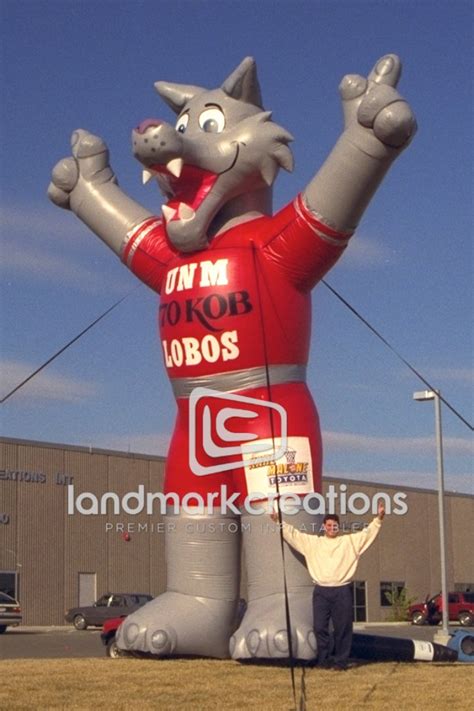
[(333, 603)]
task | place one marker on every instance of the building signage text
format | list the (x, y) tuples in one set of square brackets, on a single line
[(34, 477)]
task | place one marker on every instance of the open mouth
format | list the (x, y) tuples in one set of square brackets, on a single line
[(184, 186), (186, 192)]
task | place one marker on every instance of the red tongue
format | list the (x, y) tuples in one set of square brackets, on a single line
[(192, 186)]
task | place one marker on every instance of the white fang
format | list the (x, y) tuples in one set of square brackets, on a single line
[(185, 212), (147, 175), (175, 166), (168, 212)]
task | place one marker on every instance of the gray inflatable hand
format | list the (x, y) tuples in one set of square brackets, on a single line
[(379, 125), (74, 178), (377, 118), (86, 185)]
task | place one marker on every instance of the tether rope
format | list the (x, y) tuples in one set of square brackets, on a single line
[(68, 344), (399, 356), (301, 704)]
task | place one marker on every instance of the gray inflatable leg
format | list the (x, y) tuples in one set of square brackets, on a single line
[(263, 631), (197, 613)]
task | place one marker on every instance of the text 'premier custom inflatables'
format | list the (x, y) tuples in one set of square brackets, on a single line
[(234, 282)]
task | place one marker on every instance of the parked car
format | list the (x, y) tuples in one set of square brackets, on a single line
[(460, 609), (108, 606), (10, 612), (108, 638)]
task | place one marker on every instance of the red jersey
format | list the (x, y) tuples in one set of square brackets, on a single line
[(242, 302)]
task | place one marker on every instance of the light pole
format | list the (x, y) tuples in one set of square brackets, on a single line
[(434, 395)]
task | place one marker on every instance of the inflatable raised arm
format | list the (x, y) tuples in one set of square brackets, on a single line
[(234, 284), (379, 125)]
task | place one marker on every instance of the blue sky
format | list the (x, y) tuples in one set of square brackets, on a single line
[(409, 271)]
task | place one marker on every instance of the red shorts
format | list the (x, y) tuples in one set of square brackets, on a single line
[(200, 459)]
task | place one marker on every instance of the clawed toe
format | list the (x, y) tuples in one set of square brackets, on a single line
[(174, 624)]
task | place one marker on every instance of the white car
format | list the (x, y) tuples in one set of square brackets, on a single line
[(10, 612)]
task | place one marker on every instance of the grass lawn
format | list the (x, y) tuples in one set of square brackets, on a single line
[(197, 684)]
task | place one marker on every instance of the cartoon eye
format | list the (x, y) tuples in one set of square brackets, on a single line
[(212, 120), (181, 123)]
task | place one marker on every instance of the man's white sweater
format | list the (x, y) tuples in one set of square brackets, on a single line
[(332, 561)]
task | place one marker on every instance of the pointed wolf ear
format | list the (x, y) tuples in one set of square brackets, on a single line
[(176, 95), (243, 84)]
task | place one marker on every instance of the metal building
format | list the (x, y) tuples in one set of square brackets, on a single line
[(58, 551)]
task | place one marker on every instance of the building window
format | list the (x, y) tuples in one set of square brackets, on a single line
[(359, 600), (389, 590)]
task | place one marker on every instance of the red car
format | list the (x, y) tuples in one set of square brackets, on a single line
[(460, 609), (108, 638)]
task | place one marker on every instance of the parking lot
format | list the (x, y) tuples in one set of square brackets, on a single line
[(66, 642), (50, 643)]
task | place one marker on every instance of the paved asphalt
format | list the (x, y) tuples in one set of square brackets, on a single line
[(50, 643), (68, 643)]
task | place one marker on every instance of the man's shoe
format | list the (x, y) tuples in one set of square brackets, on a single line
[(325, 665), (340, 666)]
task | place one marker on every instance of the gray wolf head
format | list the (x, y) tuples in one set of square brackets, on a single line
[(218, 161)]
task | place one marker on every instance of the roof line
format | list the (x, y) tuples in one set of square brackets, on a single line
[(162, 458)]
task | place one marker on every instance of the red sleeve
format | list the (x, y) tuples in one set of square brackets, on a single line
[(147, 252), (305, 248)]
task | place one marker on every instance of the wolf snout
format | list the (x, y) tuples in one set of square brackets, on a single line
[(148, 123), (155, 141)]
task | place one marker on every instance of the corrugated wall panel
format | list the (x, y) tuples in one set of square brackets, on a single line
[(157, 559), (9, 507), (41, 543), (129, 569), (85, 539), (462, 537)]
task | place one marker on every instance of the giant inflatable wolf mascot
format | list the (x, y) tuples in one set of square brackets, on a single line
[(234, 285)]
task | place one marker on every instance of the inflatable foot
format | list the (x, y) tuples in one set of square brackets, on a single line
[(174, 624), (263, 632)]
